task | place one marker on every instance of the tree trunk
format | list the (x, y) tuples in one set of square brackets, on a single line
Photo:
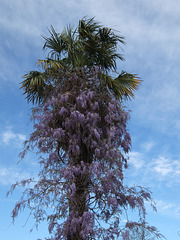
[(81, 182)]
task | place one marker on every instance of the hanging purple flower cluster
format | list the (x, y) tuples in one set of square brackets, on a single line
[(81, 134)]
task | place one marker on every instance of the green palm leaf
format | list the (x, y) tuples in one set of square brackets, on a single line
[(100, 44), (90, 44), (54, 43), (51, 65), (35, 86), (124, 86)]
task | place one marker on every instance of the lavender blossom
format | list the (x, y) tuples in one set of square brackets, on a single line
[(82, 130)]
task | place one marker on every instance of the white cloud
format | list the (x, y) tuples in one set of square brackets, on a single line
[(165, 167), (160, 170), (9, 137), (168, 208), (136, 159), (9, 176), (158, 105), (162, 205), (167, 7), (30, 18), (147, 146)]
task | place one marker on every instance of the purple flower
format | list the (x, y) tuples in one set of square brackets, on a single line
[(81, 134), (97, 135), (97, 152), (73, 188), (63, 111), (90, 94)]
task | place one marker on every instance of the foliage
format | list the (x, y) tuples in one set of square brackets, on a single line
[(90, 44), (144, 233), (81, 135)]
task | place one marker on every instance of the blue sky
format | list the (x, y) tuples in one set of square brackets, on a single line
[(152, 33)]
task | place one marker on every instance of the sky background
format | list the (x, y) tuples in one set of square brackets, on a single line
[(152, 33)]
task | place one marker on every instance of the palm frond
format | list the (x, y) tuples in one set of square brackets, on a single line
[(107, 49), (90, 44), (108, 36), (87, 28), (100, 44), (52, 65), (35, 87), (55, 42), (124, 86), (69, 39)]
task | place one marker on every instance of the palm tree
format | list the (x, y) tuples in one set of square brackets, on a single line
[(90, 44)]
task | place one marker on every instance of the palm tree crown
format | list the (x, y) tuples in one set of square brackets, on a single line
[(90, 44)]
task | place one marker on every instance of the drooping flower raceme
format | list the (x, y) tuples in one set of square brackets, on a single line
[(81, 134)]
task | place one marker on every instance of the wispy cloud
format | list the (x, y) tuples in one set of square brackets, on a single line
[(161, 169), (147, 146), (168, 208), (8, 137), (136, 159), (162, 205), (165, 167), (9, 176)]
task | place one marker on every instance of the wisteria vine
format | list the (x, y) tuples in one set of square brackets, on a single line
[(81, 135)]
